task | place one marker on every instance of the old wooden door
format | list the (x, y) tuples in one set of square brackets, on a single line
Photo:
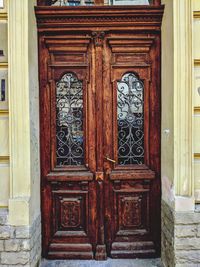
[(100, 131)]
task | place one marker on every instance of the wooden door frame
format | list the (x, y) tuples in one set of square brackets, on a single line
[(96, 20)]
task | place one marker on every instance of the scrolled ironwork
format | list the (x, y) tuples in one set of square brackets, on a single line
[(69, 121), (130, 118)]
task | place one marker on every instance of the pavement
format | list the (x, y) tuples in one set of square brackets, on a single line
[(107, 263)]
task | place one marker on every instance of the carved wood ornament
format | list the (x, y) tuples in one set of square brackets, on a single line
[(98, 38), (100, 130)]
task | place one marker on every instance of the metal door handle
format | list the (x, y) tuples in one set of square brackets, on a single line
[(111, 160)]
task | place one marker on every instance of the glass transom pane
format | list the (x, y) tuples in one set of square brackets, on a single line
[(106, 2), (72, 2), (129, 2)]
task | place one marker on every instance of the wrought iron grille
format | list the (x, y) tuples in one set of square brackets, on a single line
[(130, 117), (69, 121)]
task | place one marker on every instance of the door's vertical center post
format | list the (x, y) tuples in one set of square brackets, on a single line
[(98, 38)]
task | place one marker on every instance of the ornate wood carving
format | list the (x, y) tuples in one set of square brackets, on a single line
[(131, 211), (70, 212), (98, 38), (105, 17)]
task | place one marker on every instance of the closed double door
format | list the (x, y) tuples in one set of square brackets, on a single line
[(100, 144)]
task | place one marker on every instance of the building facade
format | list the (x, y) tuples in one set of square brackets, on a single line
[(20, 204)]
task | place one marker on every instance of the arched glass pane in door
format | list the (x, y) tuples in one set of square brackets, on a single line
[(130, 119), (69, 121)]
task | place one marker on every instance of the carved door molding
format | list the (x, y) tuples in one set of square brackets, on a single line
[(100, 131)]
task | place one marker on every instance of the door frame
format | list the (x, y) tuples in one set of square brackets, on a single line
[(98, 19)]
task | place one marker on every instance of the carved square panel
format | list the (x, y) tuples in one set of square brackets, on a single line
[(133, 211), (130, 211), (70, 210), (70, 213)]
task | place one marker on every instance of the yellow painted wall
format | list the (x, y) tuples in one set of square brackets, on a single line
[(167, 157), (24, 113), (4, 113), (34, 113), (196, 97), (196, 5)]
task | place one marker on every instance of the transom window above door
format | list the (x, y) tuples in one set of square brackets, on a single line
[(95, 2)]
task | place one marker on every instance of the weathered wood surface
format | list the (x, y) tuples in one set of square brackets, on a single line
[(100, 207)]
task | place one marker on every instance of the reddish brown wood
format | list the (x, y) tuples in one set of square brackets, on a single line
[(100, 208), (99, 2)]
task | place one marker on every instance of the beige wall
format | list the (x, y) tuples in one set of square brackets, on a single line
[(196, 5), (34, 112), (4, 113), (24, 200), (167, 155), (196, 97), (177, 73), (19, 113)]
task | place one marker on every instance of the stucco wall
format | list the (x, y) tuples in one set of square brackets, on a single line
[(167, 147), (34, 113), (196, 97), (4, 112), (20, 224)]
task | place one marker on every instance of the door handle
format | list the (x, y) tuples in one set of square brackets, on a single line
[(111, 160)]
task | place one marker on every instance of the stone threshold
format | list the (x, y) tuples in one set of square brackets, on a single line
[(107, 263)]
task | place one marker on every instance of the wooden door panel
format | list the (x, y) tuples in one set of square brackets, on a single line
[(68, 179), (71, 221), (132, 220), (131, 216), (131, 179)]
